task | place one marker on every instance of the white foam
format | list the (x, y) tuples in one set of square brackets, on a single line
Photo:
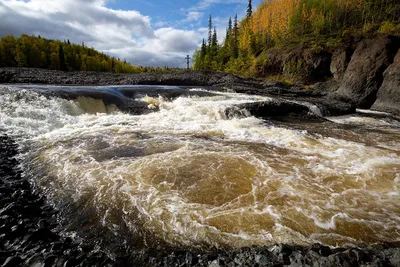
[(290, 171), (365, 121), (314, 109)]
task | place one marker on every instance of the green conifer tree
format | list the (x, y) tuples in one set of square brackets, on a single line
[(235, 39), (210, 27), (249, 9)]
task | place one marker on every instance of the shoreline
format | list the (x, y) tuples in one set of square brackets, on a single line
[(28, 239), (37, 238)]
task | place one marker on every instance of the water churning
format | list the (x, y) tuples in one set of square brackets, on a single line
[(186, 175)]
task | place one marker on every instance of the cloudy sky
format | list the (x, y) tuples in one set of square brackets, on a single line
[(144, 32)]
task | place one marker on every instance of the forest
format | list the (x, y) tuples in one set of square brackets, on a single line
[(37, 52), (277, 23)]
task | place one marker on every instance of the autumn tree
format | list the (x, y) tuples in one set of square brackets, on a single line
[(279, 22)]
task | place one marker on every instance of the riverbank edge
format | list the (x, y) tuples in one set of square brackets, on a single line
[(38, 239), (31, 234), (329, 104)]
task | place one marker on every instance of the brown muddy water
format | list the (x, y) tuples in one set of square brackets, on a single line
[(188, 176)]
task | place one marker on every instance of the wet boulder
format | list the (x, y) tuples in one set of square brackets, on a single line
[(333, 105), (170, 92), (267, 109), (388, 98), (364, 74)]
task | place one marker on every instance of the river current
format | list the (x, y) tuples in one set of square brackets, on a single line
[(187, 175)]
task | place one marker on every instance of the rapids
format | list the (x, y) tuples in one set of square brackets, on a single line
[(188, 176)]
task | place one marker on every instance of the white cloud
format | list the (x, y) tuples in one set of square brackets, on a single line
[(193, 16), (204, 4), (125, 34), (160, 24)]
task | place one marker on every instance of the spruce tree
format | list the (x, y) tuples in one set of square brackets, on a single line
[(229, 30), (202, 56), (214, 44), (249, 9), (214, 38), (210, 26), (235, 39), (203, 50), (62, 58)]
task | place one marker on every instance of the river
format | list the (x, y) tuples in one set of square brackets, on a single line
[(187, 175)]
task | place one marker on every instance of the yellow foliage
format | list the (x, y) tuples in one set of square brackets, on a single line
[(273, 17)]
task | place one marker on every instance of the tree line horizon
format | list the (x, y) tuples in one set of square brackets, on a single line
[(37, 52)]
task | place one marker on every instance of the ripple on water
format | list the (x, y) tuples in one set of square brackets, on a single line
[(189, 176), (196, 192)]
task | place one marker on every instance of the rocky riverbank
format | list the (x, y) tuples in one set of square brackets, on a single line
[(30, 233), (364, 71)]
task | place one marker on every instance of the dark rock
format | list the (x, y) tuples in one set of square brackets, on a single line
[(261, 260), (50, 260), (269, 109), (300, 62), (69, 263), (34, 260), (181, 78), (42, 223), (333, 105), (123, 97), (364, 74), (42, 234), (156, 91), (321, 250), (16, 232), (392, 255), (12, 262), (68, 242), (340, 60), (316, 66), (56, 247), (388, 98), (328, 86)]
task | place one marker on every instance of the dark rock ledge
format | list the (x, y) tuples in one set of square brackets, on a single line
[(329, 104)]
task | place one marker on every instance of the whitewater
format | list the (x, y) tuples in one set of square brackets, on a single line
[(188, 175)]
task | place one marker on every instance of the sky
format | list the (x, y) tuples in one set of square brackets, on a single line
[(145, 33)]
